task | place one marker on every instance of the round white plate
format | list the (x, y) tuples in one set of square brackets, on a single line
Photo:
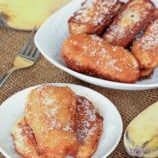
[(14, 106), (49, 39)]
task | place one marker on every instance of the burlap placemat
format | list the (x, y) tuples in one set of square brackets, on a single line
[(129, 103)]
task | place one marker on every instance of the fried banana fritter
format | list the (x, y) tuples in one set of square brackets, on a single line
[(92, 55), (93, 16), (156, 14), (76, 135), (89, 126), (24, 140), (131, 19), (145, 73), (145, 49), (50, 112)]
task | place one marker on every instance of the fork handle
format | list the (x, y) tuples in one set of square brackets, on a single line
[(4, 77)]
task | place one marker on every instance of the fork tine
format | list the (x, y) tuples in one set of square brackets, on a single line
[(26, 57), (33, 52), (22, 51), (28, 49), (37, 54)]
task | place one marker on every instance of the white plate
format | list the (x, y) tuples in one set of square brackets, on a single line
[(49, 39), (13, 108)]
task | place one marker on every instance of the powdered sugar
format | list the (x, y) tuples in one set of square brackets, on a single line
[(22, 134), (88, 123), (67, 128), (150, 40), (116, 31), (53, 111), (87, 13), (132, 16), (112, 63), (96, 38), (90, 113)]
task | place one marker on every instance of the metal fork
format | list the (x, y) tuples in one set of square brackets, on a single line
[(26, 57)]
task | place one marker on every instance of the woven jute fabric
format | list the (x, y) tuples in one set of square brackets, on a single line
[(129, 103)]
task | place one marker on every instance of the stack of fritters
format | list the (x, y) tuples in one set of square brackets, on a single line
[(127, 36), (57, 123)]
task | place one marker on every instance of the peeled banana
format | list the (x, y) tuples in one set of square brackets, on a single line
[(26, 14), (141, 135)]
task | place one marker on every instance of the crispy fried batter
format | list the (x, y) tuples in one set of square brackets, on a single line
[(87, 122), (50, 112), (156, 14), (145, 49), (24, 140), (92, 55), (93, 16), (89, 125), (133, 16), (145, 73)]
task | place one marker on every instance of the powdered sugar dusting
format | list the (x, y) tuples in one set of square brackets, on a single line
[(53, 111), (22, 135), (87, 124), (48, 101), (104, 57), (112, 63), (49, 106), (67, 128), (132, 16), (87, 111), (115, 31), (87, 13), (150, 40), (96, 38), (43, 98), (102, 54)]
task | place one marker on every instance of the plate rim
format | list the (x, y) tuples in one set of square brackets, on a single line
[(114, 107), (84, 77)]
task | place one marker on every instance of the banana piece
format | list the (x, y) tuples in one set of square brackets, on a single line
[(27, 14), (141, 135)]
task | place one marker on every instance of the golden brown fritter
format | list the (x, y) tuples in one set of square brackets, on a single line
[(50, 112), (132, 17), (145, 73), (92, 55), (156, 13), (93, 16), (24, 140), (59, 124), (89, 126), (145, 49)]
